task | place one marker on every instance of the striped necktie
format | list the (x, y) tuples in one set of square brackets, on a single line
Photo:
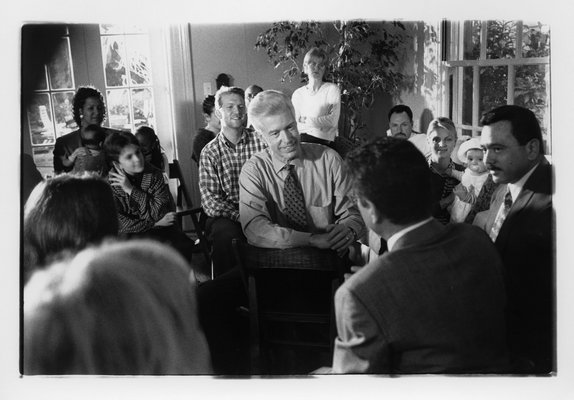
[(501, 216), (295, 210)]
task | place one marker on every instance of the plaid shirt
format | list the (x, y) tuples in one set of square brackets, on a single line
[(219, 167), (149, 201)]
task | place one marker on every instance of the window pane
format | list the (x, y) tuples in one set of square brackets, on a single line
[(143, 107), (108, 29), (139, 56), (530, 91), (60, 68), (467, 86), (493, 87), (113, 50), (63, 113), (42, 80), (535, 40), (471, 40), (44, 160), (40, 120), (501, 39), (119, 109)]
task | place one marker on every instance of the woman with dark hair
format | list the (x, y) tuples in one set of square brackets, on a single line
[(212, 128), (121, 308), (66, 213), (88, 108), (151, 148), (142, 196)]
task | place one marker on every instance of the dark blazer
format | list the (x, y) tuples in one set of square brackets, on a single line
[(434, 304), (526, 245)]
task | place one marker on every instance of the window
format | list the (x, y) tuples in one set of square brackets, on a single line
[(50, 112), (493, 63), (128, 77)]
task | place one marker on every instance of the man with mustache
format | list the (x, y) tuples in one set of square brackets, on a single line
[(520, 222), (219, 166), (321, 214)]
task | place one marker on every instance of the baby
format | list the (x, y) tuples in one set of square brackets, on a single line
[(472, 180), (89, 157)]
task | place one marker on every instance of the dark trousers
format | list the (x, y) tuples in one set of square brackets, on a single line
[(220, 232), (170, 235)]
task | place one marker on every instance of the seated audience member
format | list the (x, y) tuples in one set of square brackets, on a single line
[(250, 93), (66, 213), (219, 166), (88, 157), (434, 303), (472, 180), (143, 200), (317, 104), (520, 222), (401, 126), (151, 148), (294, 194), (446, 174), (212, 128), (119, 309)]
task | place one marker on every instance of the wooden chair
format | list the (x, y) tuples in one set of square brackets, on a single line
[(184, 208), (253, 262)]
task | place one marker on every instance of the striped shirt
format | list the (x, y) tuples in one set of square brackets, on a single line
[(219, 166), (149, 201)]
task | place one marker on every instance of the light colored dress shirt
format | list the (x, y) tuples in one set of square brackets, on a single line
[(321, 108), (325, 186), (420, 141)]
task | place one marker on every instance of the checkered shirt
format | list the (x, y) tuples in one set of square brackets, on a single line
[(219, 167)]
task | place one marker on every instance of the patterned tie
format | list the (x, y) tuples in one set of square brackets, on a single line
[(501, 216), (294, 201)]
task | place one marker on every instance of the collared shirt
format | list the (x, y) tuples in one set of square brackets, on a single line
[(219, 166), (516, 187), (397, 235), (325, 186)]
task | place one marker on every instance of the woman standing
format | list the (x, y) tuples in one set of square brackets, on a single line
[(212, 127), (441, 136), (88, 109), (317, 104)]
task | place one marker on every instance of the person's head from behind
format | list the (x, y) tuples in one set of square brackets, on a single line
[(251, 92), (67, 212), (273, 116), (441, 136), (149, 146), (230, 107), (88, 106), (123, 153), (94, 137), (512, 140), (315, 64), (472, 156), (211, 120), (121, 308), (391, 181), (401, 121)]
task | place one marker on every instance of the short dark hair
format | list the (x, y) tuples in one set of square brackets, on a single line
[(115, 143), (99, 134), (208, 104), (525, 125), (150, 146), (82, 94), (394, 175), (67, 212), (401, 108)]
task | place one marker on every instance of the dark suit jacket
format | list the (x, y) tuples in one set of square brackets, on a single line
[(526, 245), (434, 304)]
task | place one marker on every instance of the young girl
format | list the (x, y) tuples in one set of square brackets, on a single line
[(144, 203), (472, 180)]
